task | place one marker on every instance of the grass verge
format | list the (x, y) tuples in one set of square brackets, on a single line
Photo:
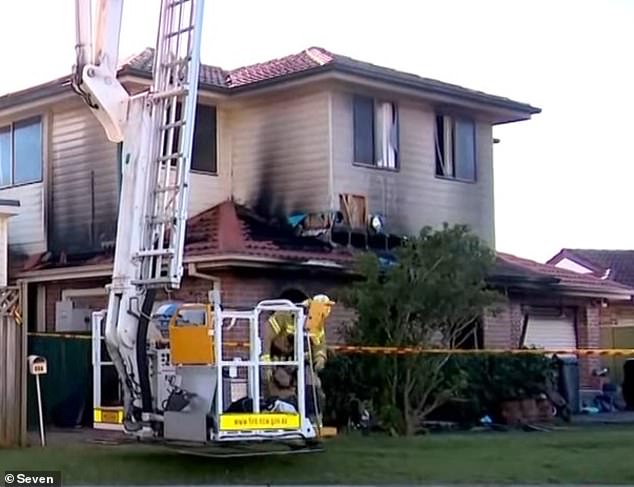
[(579, 455)]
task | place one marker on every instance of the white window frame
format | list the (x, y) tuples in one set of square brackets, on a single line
[(11, 130)]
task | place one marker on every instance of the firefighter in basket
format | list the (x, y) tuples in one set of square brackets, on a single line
[(278, 344)]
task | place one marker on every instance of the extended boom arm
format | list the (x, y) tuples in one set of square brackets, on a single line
[(156, 128), (95, 72)]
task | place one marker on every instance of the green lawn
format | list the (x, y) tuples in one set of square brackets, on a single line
[(589, 455)]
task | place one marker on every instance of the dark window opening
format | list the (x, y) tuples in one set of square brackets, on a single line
[(204, 148), (363, 129), (294, 295)]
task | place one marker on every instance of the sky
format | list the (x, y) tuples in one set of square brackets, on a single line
[(563, 179)]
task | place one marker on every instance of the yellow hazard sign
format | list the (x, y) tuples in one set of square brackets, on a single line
[(259, 421)]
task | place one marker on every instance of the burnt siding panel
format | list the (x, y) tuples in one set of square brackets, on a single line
[(413, 196), (280, 151), (26, 229), (84, 181)]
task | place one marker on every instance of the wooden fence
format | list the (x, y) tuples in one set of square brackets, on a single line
[(13, 365)]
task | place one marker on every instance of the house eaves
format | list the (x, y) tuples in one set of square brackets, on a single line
[(203, 262), (433, 87), (597, 293), (309, 65), (38, 93)]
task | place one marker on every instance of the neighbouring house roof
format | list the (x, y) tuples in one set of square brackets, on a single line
[(509, 267), (313, 60), (615, 265), (226, 230)]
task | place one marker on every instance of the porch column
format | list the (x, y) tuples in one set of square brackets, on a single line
[(589, 336)]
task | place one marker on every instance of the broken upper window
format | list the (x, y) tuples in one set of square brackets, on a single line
[(376, 133), (204, 152), (455, 148), (21, 152)]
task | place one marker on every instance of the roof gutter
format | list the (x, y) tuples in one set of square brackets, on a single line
[(64, 273), (591, 292), (61, 85), (194, 265)]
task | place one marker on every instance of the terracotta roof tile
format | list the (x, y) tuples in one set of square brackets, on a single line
[(144, 62), (618, 265), (311, 58), (226, 229), (565, 277), (234, 229), (315, 59)]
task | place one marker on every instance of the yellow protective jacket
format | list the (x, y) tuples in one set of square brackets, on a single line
[(279, 336)]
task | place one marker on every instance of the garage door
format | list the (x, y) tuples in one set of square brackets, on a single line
[(551, 329)]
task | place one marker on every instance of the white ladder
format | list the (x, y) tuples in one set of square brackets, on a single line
[(173, 98)]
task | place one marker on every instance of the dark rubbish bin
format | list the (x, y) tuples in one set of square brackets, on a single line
[(628, 384), (568, 383)]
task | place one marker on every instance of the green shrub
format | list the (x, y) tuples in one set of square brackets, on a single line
[(484, 380)]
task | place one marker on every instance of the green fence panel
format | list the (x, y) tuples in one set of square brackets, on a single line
[(616, 337), (67, 387)]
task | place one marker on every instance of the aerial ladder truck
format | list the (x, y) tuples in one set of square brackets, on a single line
[(175, 395)]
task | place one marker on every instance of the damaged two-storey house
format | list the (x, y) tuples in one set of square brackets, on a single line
[(298, 163)]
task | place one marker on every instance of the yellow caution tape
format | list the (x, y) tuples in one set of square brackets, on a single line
[(347, 349), (358, 349)]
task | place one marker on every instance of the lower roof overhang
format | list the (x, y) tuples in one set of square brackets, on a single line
[(554, 286), (218, 262)]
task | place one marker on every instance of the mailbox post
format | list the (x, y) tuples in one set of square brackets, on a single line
[(37, 367)]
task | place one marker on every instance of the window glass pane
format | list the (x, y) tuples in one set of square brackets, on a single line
[(465, 149), (5, 156), (363, 129), (439, 142), (27, 137), (204, 148)]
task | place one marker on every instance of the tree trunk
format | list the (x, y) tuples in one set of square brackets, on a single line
[(409, 415), (394, 381)]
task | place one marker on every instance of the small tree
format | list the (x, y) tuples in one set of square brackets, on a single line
[(431, 297)]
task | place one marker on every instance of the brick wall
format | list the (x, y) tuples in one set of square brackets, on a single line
[(608, 316), (239, 289), (589, 336), (54, 293), (502, 329), (247, 288), (503, 325), (497, 326)]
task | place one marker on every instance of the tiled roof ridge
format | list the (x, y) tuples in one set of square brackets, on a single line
[(551, 270)]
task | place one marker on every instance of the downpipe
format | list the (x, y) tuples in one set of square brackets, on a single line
[(192, 271)]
